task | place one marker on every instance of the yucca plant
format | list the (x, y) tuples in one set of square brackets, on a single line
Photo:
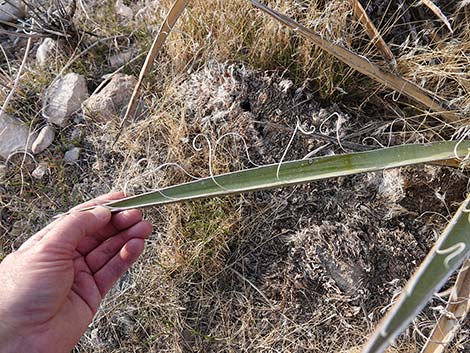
[(449, 252)]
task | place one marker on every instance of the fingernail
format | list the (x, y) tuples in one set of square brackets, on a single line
[(101, 212)]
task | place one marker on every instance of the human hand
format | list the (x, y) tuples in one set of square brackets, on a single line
[(51, 287)]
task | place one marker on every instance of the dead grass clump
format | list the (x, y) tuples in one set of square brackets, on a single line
[(442, 69), (237, 32)]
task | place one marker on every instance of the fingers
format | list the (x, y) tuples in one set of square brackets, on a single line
[(84, 285), (99, 200), (71, 229), (119, 222), (97, 258), (118, 265)]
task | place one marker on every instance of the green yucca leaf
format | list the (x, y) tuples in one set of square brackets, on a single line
[(455, 312), (446, 256), (296, 172)]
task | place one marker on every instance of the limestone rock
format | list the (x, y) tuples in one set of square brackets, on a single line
[(123, 10), (40, 171), (14, 136), (72, 155), (44, 52), (64, 97), (11, 10), (112, 99), (44, 139)]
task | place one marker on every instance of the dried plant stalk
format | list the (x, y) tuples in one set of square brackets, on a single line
[(364, 66), (165, 29), (373, 33)]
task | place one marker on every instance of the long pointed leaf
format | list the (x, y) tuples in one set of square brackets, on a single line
[(455, 312), (295, 172), (449, 252)]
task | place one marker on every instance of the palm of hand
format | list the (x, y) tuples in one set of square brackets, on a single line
[(55, 282)]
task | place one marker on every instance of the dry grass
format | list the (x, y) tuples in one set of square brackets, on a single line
[(222, 275)]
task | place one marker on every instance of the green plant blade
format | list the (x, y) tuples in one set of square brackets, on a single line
[(296, 172), (455, 312), (449, 252)]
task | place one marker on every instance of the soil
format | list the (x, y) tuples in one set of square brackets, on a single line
[(308, 268), (337, 250)]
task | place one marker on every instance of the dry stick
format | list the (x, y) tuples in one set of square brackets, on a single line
[(25, 29), (111, 75), (373, 33), (170, 21), (455, 312), (365, 67), (17, 79), (437, 11)]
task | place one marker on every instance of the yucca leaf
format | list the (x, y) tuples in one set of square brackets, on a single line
[(296, 172), (453, 315), (449, 252)]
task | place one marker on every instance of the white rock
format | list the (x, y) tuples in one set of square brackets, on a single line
[(40, 171), (44, 139), (14, 136), (71, 156), (11, 10), (112, 99), (64, 97), (123, 10), (44, 52)]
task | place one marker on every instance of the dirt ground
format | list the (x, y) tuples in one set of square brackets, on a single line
[(309, 268)]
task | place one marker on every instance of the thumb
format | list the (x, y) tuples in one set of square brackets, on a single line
[(75, 226)]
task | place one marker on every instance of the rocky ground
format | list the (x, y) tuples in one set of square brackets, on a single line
[(309, 268)]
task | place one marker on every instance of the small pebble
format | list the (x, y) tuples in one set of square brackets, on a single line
[(40, 171), (44, 52), (44, 139), (76, 134), (123, 10), (71, 156)]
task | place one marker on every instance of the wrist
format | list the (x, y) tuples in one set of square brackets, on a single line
[(14, 343)]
